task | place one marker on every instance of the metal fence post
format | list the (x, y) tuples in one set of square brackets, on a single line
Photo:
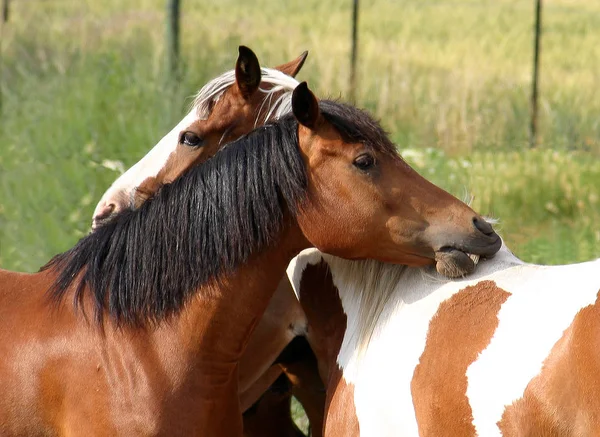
[(5, 11), (172, 39), (354, 54), (533, 127)]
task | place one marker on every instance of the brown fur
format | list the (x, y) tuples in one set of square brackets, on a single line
[(63, 375), (233, 115), (341, 411), (308, 388), (321, 302), (439, 382), (270, 416), (564, 399), (183, 376), (260, 386), (282, 318)]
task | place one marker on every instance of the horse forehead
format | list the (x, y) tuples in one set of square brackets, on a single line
[(230, 111), (230, 102), (324, 143), (156, 158), (152, 162)]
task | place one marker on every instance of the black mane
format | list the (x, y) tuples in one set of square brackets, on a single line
[(144, 264), (356, 125)]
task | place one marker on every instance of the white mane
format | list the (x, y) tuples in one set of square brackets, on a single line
[(277, 81), (365, 288), (371, 290)]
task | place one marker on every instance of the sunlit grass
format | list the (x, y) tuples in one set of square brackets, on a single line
[(547, 202)]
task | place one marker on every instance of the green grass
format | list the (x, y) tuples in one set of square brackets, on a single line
[(83, 82)]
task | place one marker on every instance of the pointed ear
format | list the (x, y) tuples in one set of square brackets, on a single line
[(247, 72), (305, 106), (293, 67)]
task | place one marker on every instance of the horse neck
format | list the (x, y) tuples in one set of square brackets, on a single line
[(216, 324)]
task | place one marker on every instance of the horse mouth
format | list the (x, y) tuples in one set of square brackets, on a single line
[(454, 263), (98, 222)]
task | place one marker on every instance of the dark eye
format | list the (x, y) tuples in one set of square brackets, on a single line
[(364, 162), (190, 139)]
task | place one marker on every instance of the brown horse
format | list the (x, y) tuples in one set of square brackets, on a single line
[(227, 107), (298, 376), (177, 286)]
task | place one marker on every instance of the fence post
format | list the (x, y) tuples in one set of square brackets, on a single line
[(533, 140), (5, 11), (354, 54), (172, 37), (3, 22)]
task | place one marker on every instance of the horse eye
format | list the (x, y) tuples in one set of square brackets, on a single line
[(364, 162), (191, 139)]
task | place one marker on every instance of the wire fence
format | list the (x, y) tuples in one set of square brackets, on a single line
[(173, 11)]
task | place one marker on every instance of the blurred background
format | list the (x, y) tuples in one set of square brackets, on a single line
[(86, 91)]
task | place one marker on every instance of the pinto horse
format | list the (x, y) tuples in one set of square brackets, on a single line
[(224, 109), (139, 328), (512, 350)]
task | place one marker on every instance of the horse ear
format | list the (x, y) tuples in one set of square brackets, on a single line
[(293, 67), (305, 106), (247, 72)]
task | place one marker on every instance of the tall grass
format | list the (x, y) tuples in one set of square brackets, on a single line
[(82, 83)]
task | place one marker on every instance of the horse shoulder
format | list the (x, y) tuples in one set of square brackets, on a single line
[(562, 400), (533, 326)]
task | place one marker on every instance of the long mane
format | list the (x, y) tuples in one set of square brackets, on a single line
[(144, 264)]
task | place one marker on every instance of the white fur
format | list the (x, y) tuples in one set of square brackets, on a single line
[(380, 364), (123, 189), (543, 303), (148, 166)]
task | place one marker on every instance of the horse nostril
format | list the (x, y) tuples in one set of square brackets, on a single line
[(483, 226), (109, 209), (105, 212)]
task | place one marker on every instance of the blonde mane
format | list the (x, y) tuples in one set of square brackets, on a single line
[(272, 82), (367, 286)]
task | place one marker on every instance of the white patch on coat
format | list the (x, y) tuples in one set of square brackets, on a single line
[(543, 303), (383, 373)]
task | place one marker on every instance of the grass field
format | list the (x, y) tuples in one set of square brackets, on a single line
[(83, 90)]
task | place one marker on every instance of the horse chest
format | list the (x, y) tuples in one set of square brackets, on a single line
[(144, 402)]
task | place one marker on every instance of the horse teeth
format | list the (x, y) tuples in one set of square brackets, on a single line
[(473, 257)]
